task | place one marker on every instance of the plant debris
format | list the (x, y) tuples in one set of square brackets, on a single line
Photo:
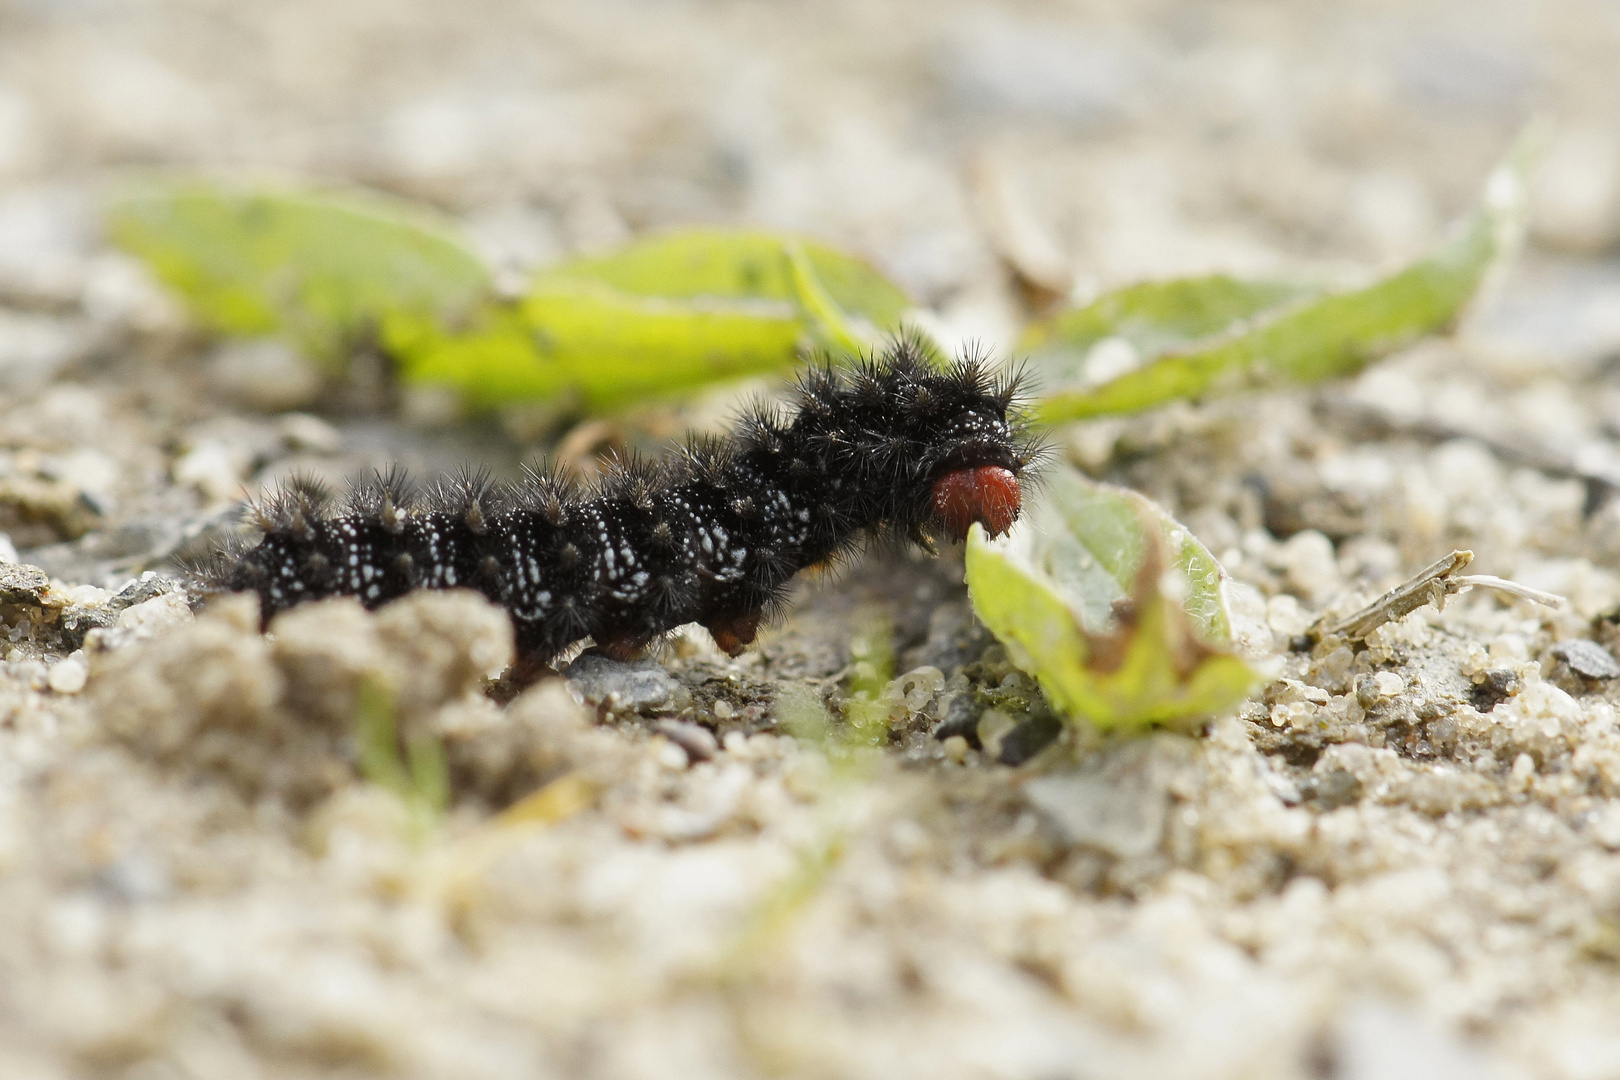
[(1431, 585)]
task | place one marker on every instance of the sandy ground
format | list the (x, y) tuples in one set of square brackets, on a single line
[(1397, 862)]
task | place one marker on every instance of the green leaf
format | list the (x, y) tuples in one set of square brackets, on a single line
[(321, 267), (1112, 605), (663, 315), (1157, 316), (1304, 339), (587, 341), (738, 264), (828, 320)]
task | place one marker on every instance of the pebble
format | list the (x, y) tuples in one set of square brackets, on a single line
[(1379, 1041), (698, 742), (1605, 824), (638, 686), (1115, 803), (69, 676), (1285, 617), (264, 374), (213, 468), (1575, 200), (1378, 687), (1587, 659), (1308, 562), (301, 431), (34, 348), (45, 234), (1389, 684), (993, 726), (1333, 671), (149, 617), (22, 584), (961, 719)]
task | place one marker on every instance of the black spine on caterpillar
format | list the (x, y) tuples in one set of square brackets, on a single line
[(712, 534)]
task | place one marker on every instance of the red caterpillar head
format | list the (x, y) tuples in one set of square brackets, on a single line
[(986, 494), (978, 454)]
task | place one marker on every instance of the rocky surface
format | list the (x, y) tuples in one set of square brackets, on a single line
[(836, 855)]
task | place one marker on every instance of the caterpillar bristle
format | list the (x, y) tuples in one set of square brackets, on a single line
[(869, 384), (294, 506), (631, 479), (892, 448), (469, 494), (1034, 454), (916, 351), (545, 492), (760, 428), (817, 390), (387, 496), (703, 459), (210, 570), (309, 494)]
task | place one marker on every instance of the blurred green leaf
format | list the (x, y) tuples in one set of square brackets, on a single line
[(1300, 339), (321, 267), (1112, 605), (420, 778), (829, 322), (588, 341), (663, 315), (737, 264), (1156, 316)]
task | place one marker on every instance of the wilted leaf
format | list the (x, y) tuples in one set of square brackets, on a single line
[(320, 267), (1113, 606), (1303, 338)]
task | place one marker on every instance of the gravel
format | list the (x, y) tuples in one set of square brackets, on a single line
[(1399, 858)]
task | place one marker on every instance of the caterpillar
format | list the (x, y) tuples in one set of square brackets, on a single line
[(710, 534)]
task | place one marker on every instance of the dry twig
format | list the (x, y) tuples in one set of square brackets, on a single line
[(1430, 585)]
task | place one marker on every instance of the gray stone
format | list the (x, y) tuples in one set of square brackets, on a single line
[(22, 584), (639, 686), (46, 236), (1115, 802), (955, 638), (35, 348), (1587, 659), (264, 374)]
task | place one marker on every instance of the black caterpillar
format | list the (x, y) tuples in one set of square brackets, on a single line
[(712, 534)]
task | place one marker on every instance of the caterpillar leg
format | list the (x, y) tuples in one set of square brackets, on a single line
[(624, 649), (734, 633), (524, 672)]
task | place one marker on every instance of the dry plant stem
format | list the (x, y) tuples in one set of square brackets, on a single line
[(1431, 585), (1022, 243)]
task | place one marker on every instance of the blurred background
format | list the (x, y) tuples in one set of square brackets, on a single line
[(1086, 144)]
